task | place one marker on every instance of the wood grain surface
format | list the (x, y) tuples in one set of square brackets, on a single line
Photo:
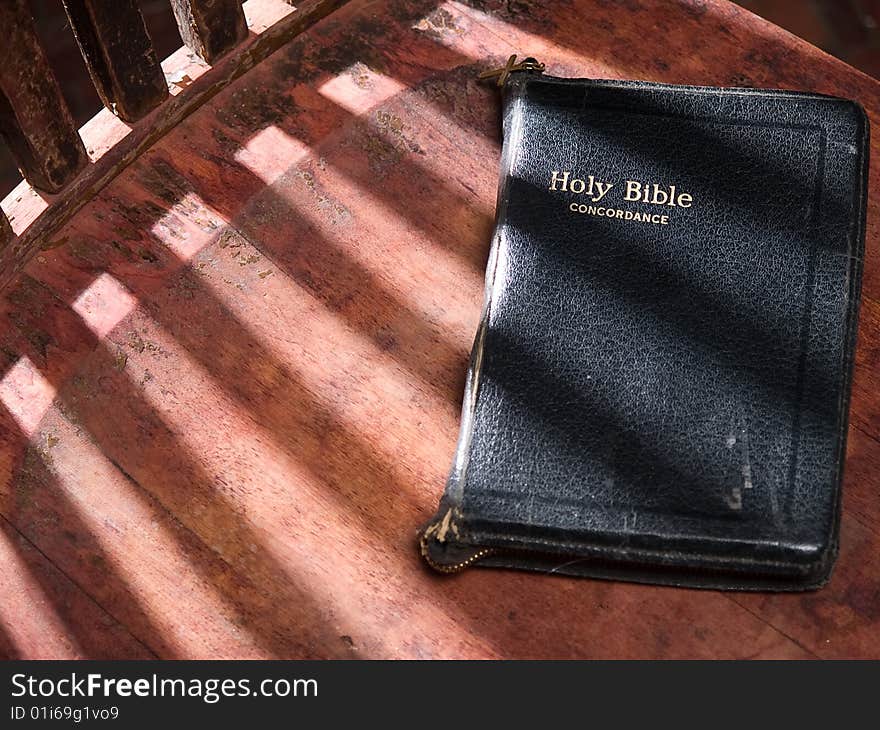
[(231, 383)]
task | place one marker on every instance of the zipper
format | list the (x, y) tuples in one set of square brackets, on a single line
[(445, 530), (453, 567), (503, 73), (439, 531)]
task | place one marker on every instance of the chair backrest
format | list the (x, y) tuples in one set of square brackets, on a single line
[(64, 167)]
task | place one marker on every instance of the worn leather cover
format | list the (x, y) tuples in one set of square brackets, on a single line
[(663, 399)]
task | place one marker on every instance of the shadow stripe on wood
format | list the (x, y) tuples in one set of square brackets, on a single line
[(47, 615)]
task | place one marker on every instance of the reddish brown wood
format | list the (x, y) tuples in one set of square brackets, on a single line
[(119, 54), (6, 234), (232, 380), (56, 618), (34, 118), (210, 28)]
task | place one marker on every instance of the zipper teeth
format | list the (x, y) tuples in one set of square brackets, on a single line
[(455, 567)]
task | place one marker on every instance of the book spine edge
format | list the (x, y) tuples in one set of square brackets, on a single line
[(450, 502)]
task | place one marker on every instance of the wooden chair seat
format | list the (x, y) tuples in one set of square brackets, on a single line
[(230, 383)]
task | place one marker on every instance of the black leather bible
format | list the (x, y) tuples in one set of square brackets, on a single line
[(659, 387)]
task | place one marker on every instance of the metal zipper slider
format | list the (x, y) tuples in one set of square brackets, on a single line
[(527, 64)]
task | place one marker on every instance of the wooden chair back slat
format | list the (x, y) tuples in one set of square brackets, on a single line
[(34, 118), (119, 54), (210, 28), (6, 233)]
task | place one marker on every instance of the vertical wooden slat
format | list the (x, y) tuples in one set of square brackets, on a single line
[(34, 118), (6, 234), (119, 54), (210, 28)]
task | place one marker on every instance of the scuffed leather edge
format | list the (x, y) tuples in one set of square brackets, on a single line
[(856, 257), (434, 545)]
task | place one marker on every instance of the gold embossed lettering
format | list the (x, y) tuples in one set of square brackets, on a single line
[(563, 180)]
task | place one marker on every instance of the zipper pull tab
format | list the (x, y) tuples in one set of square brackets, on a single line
[(527, 64)]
